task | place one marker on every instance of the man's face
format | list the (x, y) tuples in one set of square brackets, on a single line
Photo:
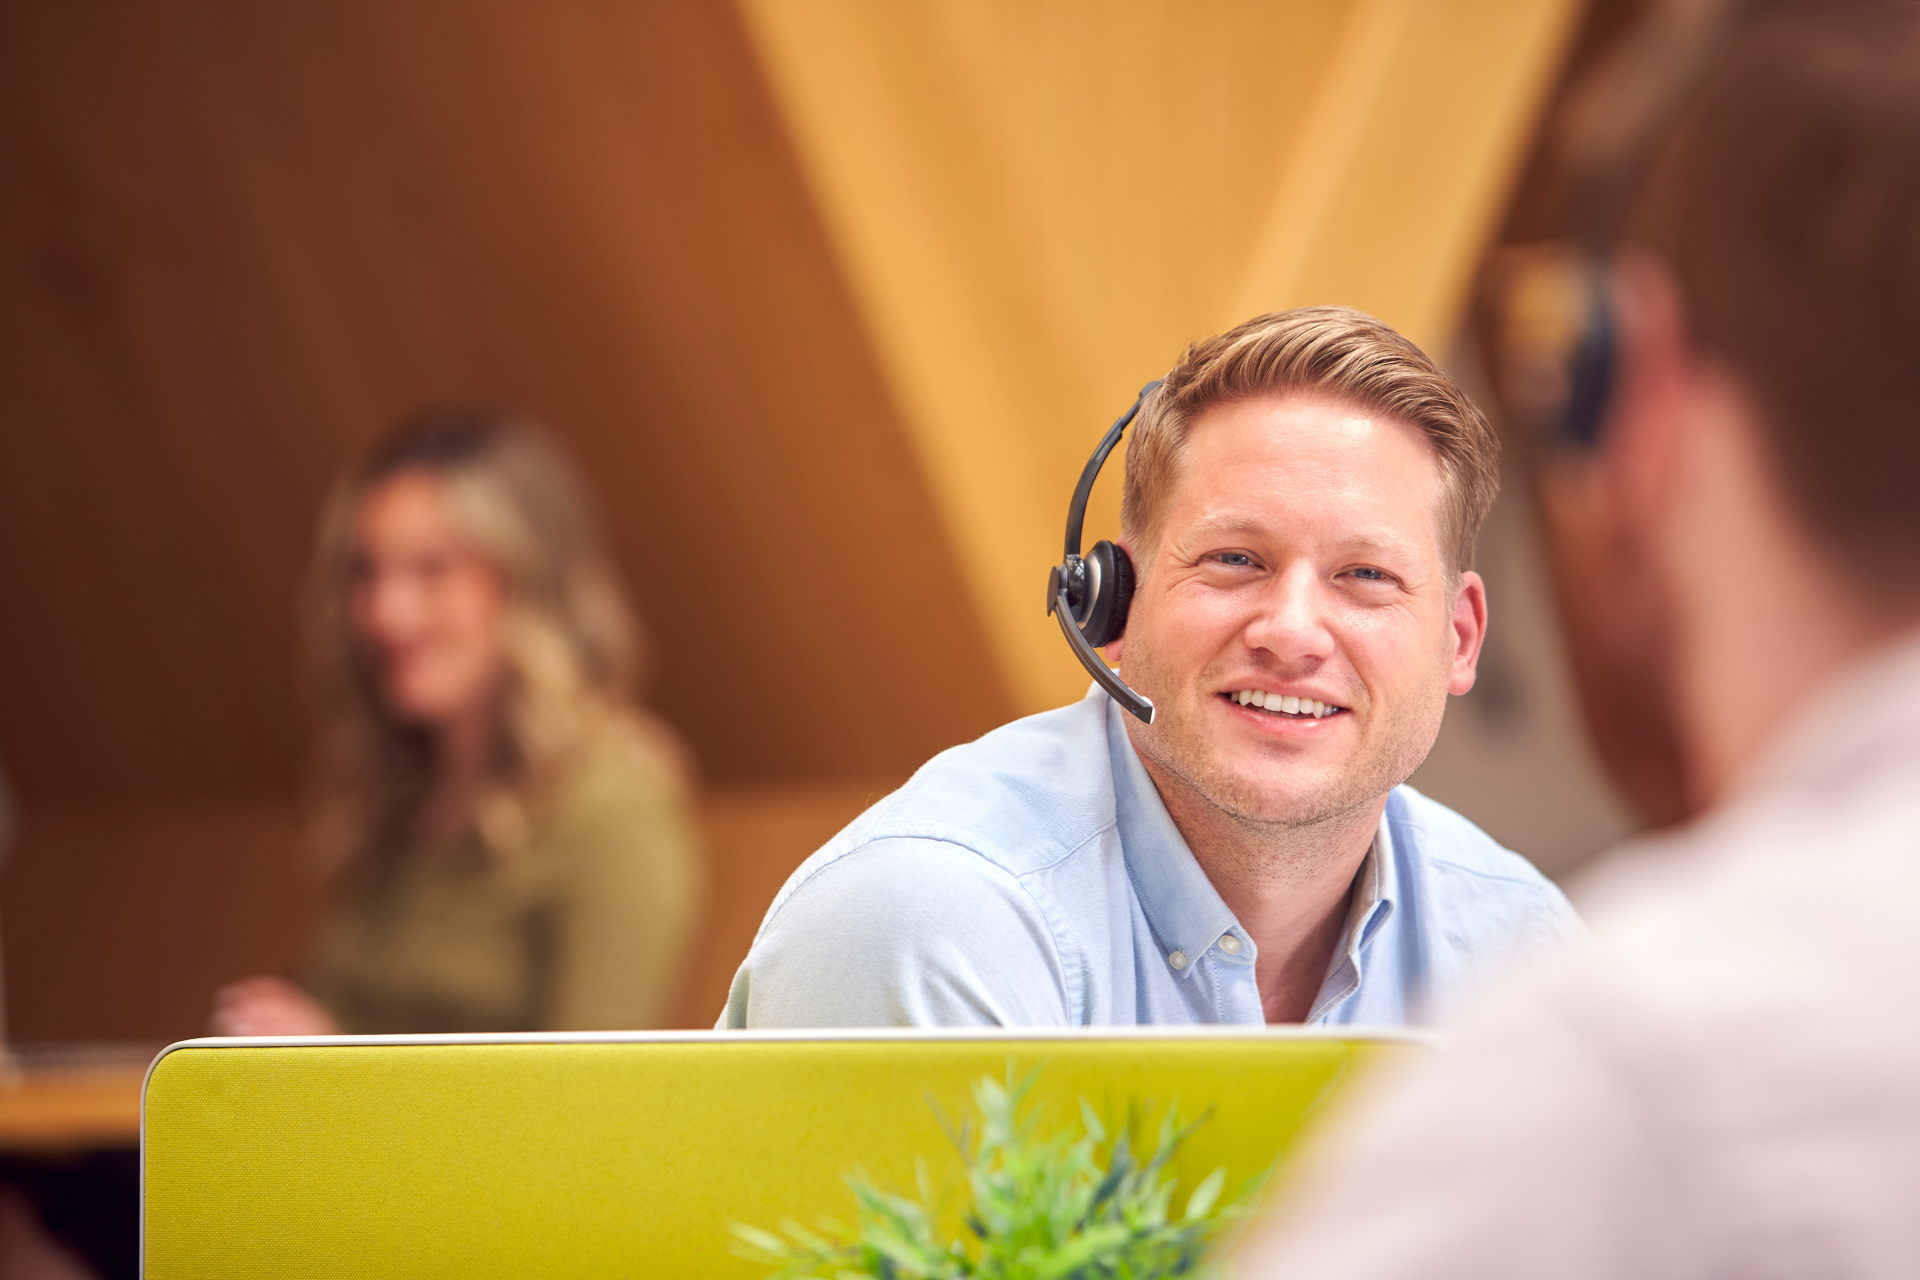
[(1299, 557)]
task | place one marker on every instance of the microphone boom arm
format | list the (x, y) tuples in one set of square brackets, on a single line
[(1140, 705)]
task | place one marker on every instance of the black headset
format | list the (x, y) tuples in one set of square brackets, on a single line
[(1090, 596)]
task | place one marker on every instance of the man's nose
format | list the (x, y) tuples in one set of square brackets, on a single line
[(1292, 621)]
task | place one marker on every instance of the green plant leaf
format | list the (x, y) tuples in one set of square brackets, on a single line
[(1091, 1120), (1200, 1203), (1060, 1205)]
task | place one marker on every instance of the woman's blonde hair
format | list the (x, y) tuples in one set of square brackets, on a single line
[(572, 646)]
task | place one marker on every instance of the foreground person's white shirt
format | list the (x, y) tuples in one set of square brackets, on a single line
[(1727, 1085)]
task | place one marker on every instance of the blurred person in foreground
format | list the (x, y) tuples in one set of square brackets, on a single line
[(514, 845), (1302, 497), (1728, 1084)]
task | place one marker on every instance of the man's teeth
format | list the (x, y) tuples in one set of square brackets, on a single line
[(1286, 703)]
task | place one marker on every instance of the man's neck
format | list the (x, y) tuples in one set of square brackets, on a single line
[(1773, 621), (1288, 886)]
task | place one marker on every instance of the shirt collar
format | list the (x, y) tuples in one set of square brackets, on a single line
[(1375, 889), (1375, 886), (1181, 905)]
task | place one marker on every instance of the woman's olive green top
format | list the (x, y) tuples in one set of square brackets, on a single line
[(580, 928)]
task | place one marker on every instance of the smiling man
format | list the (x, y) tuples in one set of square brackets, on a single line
[(1301, 502)]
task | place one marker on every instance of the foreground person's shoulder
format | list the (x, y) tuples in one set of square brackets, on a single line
[(1442, 836)]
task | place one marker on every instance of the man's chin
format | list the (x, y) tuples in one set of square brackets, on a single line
[(1292, 802)]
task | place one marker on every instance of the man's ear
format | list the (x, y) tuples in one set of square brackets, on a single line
[(1469, 632), (1651, 393)]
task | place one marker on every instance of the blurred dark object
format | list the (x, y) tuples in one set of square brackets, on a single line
[(70, 1160), (1553, 353), (88, 1203)]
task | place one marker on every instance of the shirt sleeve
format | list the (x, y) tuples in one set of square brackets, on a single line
[(902, 933), (622, 907)]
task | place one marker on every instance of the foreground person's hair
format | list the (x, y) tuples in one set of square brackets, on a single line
[(1775, 169), (1331, 351), (572, 645)]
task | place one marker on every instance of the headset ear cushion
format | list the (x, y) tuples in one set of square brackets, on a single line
[(1107, 619)]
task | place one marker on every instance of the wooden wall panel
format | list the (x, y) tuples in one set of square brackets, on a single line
[(120, 925), (237, 239)]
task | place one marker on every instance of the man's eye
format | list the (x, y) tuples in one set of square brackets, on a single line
[(1236, 558), (1371, 575)]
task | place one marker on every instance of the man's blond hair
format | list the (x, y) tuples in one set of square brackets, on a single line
[(1330, 351)]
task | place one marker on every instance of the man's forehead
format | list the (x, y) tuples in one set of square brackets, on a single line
[(1250, 463)]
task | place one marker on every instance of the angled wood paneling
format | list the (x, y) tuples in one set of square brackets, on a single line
[(1038, 204)]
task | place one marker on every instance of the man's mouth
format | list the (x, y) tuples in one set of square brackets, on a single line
[(1277, 704)]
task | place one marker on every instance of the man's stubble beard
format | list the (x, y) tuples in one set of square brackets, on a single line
[(1179, 745)]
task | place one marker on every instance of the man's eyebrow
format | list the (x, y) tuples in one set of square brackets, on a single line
[(1384, 543), (1215, 525), (1380, 542)]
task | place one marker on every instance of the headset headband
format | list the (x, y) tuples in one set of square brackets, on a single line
[(1073, 592)]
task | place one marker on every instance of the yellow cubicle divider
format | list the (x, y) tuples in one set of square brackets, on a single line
[(627, 1155)]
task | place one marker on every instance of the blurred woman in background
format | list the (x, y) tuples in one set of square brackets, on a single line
[(511, 834)]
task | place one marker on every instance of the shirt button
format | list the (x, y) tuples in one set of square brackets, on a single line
[(1230, 945), (1178, 959)]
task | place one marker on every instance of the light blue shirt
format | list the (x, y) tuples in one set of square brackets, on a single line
[(1033, 878)]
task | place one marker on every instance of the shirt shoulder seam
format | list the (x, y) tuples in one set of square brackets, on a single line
[(1070, 976), (1536, 881)]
